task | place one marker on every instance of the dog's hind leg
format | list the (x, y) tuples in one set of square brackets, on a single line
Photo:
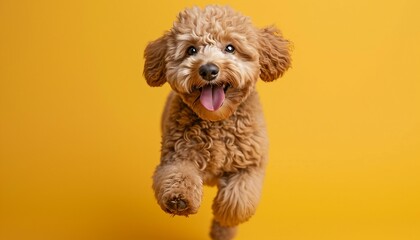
[(218, 232)]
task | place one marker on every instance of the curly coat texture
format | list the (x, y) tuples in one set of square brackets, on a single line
[(226, 146)]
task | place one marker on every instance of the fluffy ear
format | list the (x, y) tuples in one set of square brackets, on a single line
[(274, 54), (154, 65)]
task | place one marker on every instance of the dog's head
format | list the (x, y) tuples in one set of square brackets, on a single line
[(212, 58)]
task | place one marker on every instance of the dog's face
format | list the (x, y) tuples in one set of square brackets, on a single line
[(212, 58)]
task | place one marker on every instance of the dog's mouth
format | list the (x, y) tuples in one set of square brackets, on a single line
[(212, 96)]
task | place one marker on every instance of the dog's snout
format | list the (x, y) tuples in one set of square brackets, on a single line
[(208, 71)]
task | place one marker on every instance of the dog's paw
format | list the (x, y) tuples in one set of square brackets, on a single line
[(235, 204), (177, 205), (181, 204), (178, 189)]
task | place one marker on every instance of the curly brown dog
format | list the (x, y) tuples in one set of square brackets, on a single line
[(213, 130)]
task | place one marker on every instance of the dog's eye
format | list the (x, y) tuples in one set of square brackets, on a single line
[(192, 51), (229, 48)]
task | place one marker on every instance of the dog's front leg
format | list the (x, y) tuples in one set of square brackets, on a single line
[(238, 196), (178, 187)]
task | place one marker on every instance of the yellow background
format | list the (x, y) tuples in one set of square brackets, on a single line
[(80, 137)]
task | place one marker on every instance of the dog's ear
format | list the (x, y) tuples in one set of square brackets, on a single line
[(274, 54), (154, 65)]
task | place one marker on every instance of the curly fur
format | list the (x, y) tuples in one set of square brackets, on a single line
[(226, 147)]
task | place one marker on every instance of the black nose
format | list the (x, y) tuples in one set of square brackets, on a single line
[(208, 71)]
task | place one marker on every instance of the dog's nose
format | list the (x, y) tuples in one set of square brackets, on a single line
[(208, 71)]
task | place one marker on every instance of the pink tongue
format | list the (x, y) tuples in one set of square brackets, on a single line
[(212, 97)]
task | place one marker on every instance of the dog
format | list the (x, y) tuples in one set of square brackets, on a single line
[(213, 129)]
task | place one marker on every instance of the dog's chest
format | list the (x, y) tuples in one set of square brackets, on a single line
[(224, 146)]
